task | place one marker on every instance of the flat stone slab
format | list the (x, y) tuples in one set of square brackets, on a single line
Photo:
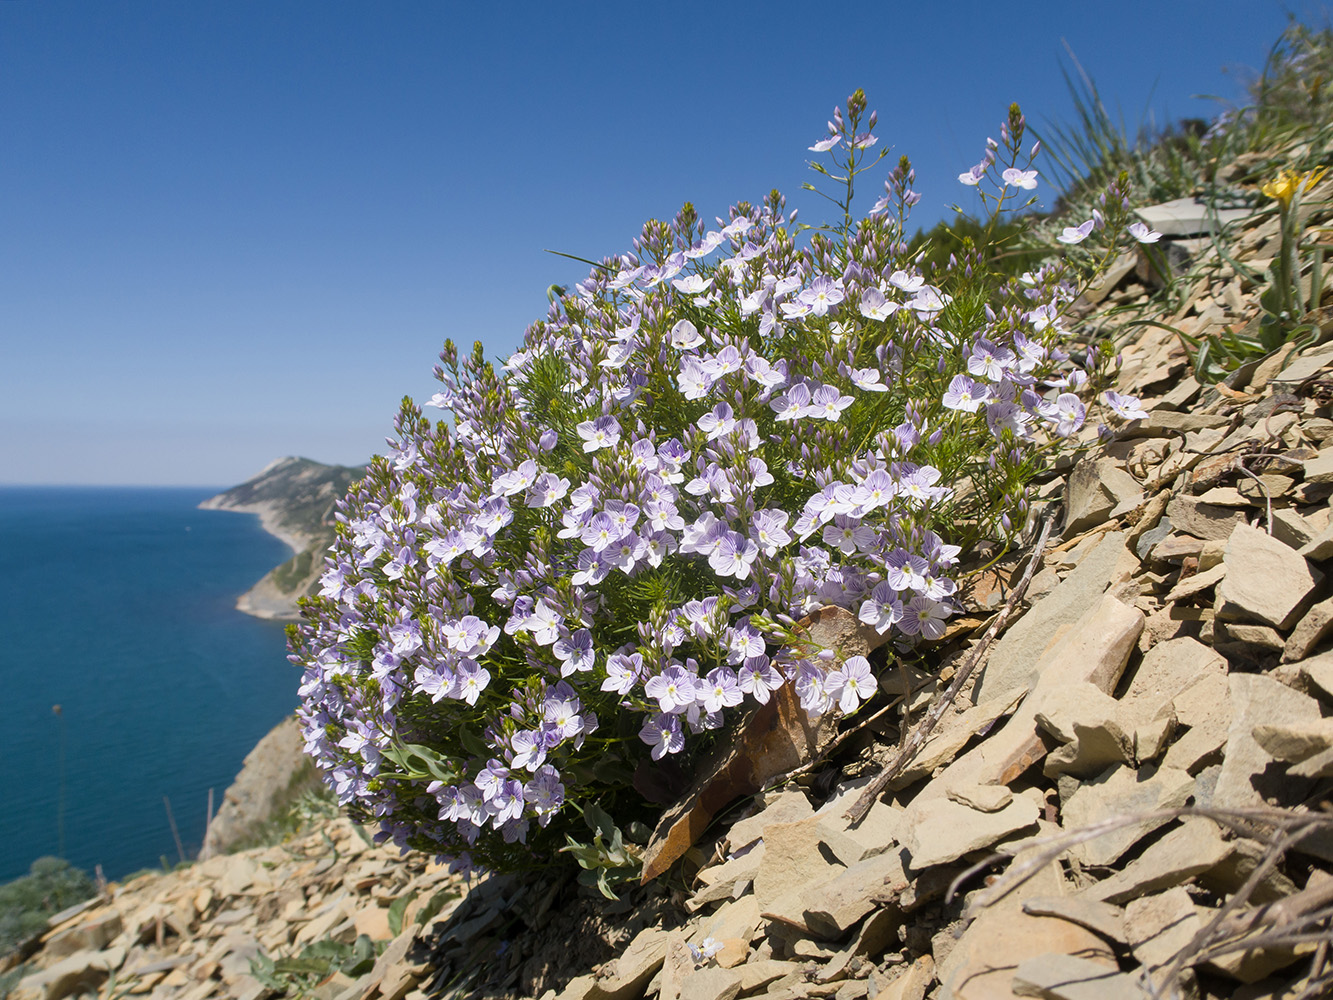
[(1294, 741), (1203, 521), (1246, 778), (1191, 849), (1265, 580), (1159, 926), (792, 858), (1012, 664), (1065, 977), (942, 830), (1102, 918), (1189, 216), (1121, 792)]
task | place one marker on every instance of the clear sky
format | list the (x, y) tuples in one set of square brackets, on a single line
[(232, 231)]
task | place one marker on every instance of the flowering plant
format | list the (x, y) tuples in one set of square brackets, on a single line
[(606, 552)]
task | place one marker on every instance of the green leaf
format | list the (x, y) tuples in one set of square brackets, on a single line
[(433, 906), (396, 910)]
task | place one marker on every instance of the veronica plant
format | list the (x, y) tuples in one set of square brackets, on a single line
[(606, 551)]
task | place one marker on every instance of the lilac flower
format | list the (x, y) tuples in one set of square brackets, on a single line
[(592, 569), (1142, 233), (848, 535), (693, 284), (469, 636), (706, 949), (1026, 179), (685, 336), (604, 432), (472, 680), (574, 652), (919, 485), (823, 295), (904, 571), (873, 492), (694, 383), (623, 672), (544, 624), (720, 690), (824, 145), (723, 363), (973, 176), (791, 404), (1076, 234), (529, 748), (875, 306), (544, 792), (868, 379), (494, 516), (1124, 407), (436, 681), (663, 734), (965, 394), (733, 555), (758, 679), (923, 616), (769, 530), (852, 683), (547, 489), (562, 715), (827, 403), (718, 422), (626, 553), (882, 609), (673, 689), (989, 360), (1067, 413), (812, 690)]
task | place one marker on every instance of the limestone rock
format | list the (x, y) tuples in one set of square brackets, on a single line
[(983, 798), (939, 830), (1201, 520), (852, 843), (1123, 792), (1194, 847), (1265, 579), (786, 807), (1011, 663), (1204, 708), (1294, 741), (1066, 977), (1313, 628), (629, 972), (1159, 926), (711, 984), (1102, 918), (792, 858), (981, 965), (1257, 700), (1317, 672), (835, 907)]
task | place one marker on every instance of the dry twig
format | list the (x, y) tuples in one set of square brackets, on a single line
[(919, 735)]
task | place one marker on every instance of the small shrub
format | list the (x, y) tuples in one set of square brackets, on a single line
[(51, 885), (604, 554)]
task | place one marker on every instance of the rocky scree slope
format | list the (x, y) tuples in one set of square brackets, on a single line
[(1148, 747)]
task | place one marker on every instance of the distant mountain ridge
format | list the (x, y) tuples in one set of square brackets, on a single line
[(295, 499)]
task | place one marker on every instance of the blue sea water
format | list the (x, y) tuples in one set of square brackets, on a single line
[(118, 605)]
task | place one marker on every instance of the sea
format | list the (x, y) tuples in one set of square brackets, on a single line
[(130, 686)]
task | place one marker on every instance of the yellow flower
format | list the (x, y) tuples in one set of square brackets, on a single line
[(1284, 186)]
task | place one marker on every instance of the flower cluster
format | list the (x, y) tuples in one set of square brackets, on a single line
[(608, 547)]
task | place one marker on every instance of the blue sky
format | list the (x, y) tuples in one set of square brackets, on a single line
[(231, 231)]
